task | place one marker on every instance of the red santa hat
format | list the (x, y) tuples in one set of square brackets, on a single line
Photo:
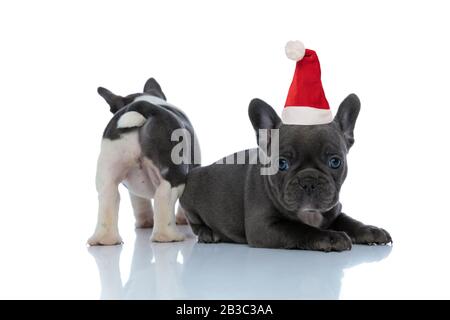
[(306, 103)]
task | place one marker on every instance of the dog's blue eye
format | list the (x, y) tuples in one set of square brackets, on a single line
[(334, 162), (283, 164)]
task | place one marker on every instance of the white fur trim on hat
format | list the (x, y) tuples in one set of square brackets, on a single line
[(295, 50), (306, 116)]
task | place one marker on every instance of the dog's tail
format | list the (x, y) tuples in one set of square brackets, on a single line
[(136, 114), (131, 119)]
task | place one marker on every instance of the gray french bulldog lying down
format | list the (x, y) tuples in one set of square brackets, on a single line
[(297, 207)]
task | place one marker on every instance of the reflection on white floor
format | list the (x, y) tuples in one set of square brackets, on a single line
[(188, 270)]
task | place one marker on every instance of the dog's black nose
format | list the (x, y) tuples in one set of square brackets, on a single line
[(309, 185)]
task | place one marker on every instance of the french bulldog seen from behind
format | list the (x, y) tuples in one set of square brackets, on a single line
[(136, 150), (297, 207)]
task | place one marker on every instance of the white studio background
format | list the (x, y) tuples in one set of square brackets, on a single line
[(211, 58)]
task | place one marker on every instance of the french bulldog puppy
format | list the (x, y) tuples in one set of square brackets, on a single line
[(295, 208), (136, 151)]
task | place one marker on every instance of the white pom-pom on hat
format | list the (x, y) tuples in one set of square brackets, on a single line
[(295, 50)]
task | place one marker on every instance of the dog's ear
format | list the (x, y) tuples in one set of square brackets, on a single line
[(262, 116), (115, 102), (152, 87), (346, 117)]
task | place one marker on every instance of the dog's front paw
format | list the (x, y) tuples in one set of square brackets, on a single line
[(371, 235), (333, 241), (167, 235), (105, 239)]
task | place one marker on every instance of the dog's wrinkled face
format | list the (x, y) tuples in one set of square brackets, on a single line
[(312, 167), (311, 160)]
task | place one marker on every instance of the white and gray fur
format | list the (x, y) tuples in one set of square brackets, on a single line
[(136, 151)]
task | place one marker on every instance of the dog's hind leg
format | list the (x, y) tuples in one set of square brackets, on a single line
[(201, 230), (143, 211), (107, 231), (165, 229), (205, 234), (116, 158)]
